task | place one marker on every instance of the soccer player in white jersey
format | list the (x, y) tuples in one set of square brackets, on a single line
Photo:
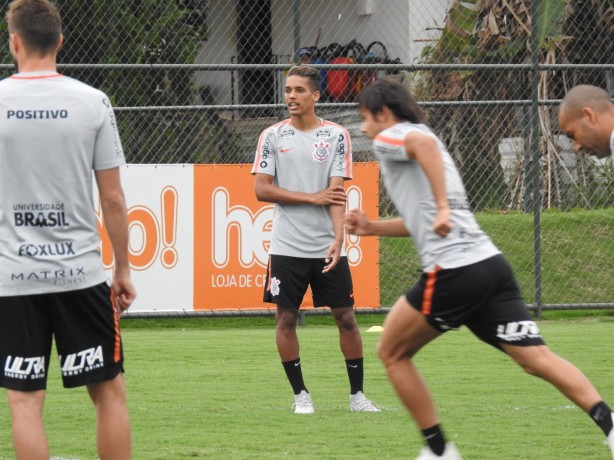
[(300, 165), (586, 116), (465, 280), (54, 132)]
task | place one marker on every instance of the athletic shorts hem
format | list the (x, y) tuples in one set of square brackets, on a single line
[(110, 374), (336, 307), (23, 385), (532, 342)]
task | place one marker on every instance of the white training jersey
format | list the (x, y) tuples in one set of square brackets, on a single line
[(54, 131), (411, 192), (303, 161)]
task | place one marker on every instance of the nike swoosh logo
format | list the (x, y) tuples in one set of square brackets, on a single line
[(285, 150), (297, 364), (353, 366)]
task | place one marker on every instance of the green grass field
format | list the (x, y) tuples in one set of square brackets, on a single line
[(214, 387), (576, 248), (201, 391)]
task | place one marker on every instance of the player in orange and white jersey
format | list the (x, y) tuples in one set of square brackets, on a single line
[(465, 280), (301, 165)]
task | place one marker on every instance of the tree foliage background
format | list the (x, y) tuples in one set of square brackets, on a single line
[(499, 32), (142, 32), (150, 32)]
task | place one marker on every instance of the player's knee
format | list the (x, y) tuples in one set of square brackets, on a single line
[(385, 354), (111, 391), (534, 363), (286, 326), (392, 353), (286, 319), (346, 321), (347, 325), (26, 398), (529, 368)]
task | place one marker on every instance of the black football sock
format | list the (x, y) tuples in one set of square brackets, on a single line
[(602, 415), (356, 373), (295, 375), (435, 439)]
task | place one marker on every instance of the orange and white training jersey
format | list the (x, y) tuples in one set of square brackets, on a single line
[(411, 193), (303, 161), (54, 131)]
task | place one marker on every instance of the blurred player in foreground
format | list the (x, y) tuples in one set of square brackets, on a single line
[(300, 165), (465, 280), (54, 132), (586, 116)]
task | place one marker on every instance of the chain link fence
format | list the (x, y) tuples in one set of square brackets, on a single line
[(196, 81)]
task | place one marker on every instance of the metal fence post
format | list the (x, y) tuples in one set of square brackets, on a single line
[(535, 169)]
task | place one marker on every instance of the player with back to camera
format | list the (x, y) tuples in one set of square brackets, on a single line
[(300, 165), (465, 280), (54, 132)]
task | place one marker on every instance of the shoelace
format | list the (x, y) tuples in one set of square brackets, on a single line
[(303, 400), (364, 403)]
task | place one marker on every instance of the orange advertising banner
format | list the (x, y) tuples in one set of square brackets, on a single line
[(232, 233)]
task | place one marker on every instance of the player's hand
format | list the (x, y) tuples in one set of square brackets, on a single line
[(356, 222), (442, 225), (330, 196), (332, 257), (122, 292)]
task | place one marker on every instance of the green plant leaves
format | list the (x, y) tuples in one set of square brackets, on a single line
[(550, 14)]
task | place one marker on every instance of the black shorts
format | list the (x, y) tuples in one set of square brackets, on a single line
[(86, 332), (483, 296), (288, 278)]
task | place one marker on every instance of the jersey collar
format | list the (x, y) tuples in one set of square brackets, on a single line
[(36, 75)]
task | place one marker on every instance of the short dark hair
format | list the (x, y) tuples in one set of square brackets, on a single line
[(392, 94), (308, 72), (38, 24)]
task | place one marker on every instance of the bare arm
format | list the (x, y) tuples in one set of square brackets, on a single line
[(115, 216), (357, 223), (424, 149), (336, 215), (267, 191)]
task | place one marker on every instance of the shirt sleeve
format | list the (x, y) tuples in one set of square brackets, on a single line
[(264, 161), (108, 150), (342, 161), (392, 146)]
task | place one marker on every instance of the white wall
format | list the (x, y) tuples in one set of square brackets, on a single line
[(220, 46), (403, 26)]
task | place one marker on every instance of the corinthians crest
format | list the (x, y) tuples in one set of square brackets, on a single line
[(321, 152)]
